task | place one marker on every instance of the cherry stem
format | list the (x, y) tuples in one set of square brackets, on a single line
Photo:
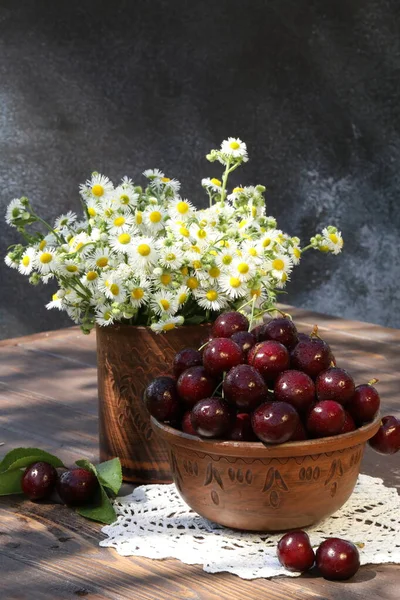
[(217, 388), (203, 346), (315, 333), (373, 381), (252, 311)]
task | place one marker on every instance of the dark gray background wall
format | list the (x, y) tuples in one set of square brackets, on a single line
[(311, 85)]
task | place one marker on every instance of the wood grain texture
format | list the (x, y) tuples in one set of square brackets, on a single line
[(49, 399)]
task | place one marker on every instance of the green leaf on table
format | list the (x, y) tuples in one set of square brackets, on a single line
[(101, 510), (20, 458), (10, 483), (109, 474)]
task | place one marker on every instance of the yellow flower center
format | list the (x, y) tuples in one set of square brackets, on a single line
[(284, 277), (168, 326), (280, 238), (42, 245), (227, 259), (236, 190), (214, 272), (255, 292), (216, 182), (234, 282), (234, 145), (334, 238), (114, 289), (155, 216), (212, 295), (91, 211), (171, 256), (184, 271), (107, 315), (324, 249), (202, 234), (144, 249), (166, 278), (46, 257), (54, 297), (182, 298), (165, 304), (165, 179), (91, 275), (243, 268), (102, 261), (124, 199), (124, 238), (182, 207), (296, 252), (119, 221), (97, 190), (138, 218), (192, 283), (253, 211), (196, 249), (137, 293), (253, 252), (71, 268), (213, 252), (26, 261), (109, 212), (266, 242), (278, 264), (183, 231), (242, 223), (196, 264)]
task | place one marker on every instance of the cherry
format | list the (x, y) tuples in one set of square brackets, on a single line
[(295, 552), (337, 559), (335, 384), (295, 387), (242, 430), (212, 417), (186, 425), (349, 424), (325, 418), (387, 438), (311, 356), (259, 333), (229, 323), (194, 384), (299, 434), (77, 486), (39, 480), (220, 355), (282, 330), (186, 358), (245, 388), (161, 399), (274, 422), (269, 358), (244, 339), (365, 403)]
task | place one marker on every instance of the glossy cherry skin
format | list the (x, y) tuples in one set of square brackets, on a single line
[(220, 355), (311, 356), (299, 434), (335, 384), (326, 418), (349, 424), (186, 424), (274, 422), (161, 399), (282, 330), (269, 358), (295, 552), (295, 387), (244, 388), (229, 323), (387, 438), (77, 486), (186, 358), (259, 333), (337, 559), (212, 418), (244, 339), (194, 384), (365, 403), (242, 430), (39, 480)]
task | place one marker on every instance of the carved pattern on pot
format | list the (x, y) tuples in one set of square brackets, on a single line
[(335, 472), (274, 479), (309, 473)]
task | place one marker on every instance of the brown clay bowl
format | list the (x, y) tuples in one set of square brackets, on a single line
[(252, 486)]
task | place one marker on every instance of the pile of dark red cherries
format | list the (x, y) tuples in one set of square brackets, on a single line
[(270, 384)]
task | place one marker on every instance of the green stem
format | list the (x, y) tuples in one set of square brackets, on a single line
[(252, 312), (49, 227), (307, 248), (224, 181)]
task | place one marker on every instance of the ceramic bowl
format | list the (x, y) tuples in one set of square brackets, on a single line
[(253, 486)]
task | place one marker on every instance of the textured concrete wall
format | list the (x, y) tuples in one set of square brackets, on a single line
[(311, 85)]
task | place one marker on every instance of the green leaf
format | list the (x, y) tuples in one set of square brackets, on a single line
[(23, 457), (109, 474), (195, 320), (10, 483), (101, 509)]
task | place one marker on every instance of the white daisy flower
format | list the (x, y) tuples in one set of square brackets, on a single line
[(251, 249), (100, 259), (179, 229), (204, 236), (164, 301), (11, 262), (14, 211), (171, 257), (211, 299), (46, 261), (93, 207), (295, 254), (122, 242), (170, 186), (242, 268), (182, 295), (125, 196), (90, 279), (233, 286), (167, 324), (56, 302), (112, 287), (143, 252), (180, 209), (78, 241), (99, 186), (269, 239), (162, 278), (153, 219), (69, 268), (65, 221), (226, 255), (236, 193), (235, 147), (213, 185), (332, 239), (279, 265), (27, 262), (120, 223), (155, 175), (214, 273), (138, 291), (104, 315)]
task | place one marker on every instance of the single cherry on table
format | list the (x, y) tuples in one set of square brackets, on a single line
[(295, 552), (77, 486), (387, 438), (39, 480), (337, 559)]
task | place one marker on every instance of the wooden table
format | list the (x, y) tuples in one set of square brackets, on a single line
[(49, 400)]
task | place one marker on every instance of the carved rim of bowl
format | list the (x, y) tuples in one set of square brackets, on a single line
[(259, 449)]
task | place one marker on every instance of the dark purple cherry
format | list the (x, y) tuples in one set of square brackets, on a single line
[(337, 559), (335, 384), (194, 384), (244, 339), (259, 333), (282, 330), (295, 552), (187, 426), (244, 388), (77, 486), (212, 417), (311, 356), (161, 399), (274, 422), (229, 323), (387, 438), (349, 424), (39, 480), (186, 358), (326, 418), (295, 387), (299, 434), (242, 430), (269, 358), (365, 403), (220, 355)]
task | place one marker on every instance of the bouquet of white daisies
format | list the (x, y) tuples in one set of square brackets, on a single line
[(147, 256)]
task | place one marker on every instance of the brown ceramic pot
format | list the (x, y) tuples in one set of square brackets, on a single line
[(252, 486), (128, 358)]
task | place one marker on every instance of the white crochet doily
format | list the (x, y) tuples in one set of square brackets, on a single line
[(155, 522)]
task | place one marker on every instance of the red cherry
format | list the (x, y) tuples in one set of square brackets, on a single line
[(274, 422), (161, 399), (295, 552), (311, 356), (194, 384), (335, 384), (229, 323), (282, 330), (244, 339), (186, 358), (299, 434), (295, 387), (212, 417), (77, 486), (365, 403), (245, 388), (387, 438), (39, 480), (259, 333), (337, 559), (220, 355), (325, 419), (187, 426), (242, 430), (349, 424), (269, 358)]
